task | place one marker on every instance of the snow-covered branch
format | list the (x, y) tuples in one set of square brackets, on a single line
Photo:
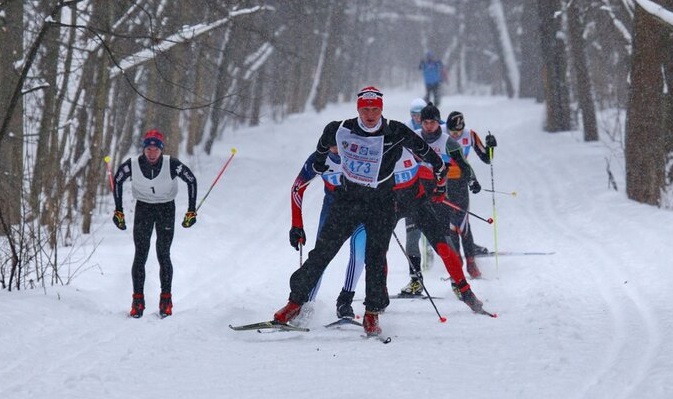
[(657, 10), (185, 34)]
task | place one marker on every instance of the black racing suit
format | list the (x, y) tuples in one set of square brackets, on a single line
[(148, 216), (457, 192), (355, 204)]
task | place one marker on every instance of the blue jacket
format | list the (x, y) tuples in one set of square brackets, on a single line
[(432, 71)]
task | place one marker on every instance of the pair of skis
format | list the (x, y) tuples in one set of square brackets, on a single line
[(278, 326)]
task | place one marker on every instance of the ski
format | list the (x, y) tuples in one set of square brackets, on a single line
[(408, 296), (511, 253), (343, 322), (384, 340), (272, 324)]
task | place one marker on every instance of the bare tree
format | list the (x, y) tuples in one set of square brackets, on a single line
[(645, 128), (504, 48), (530, 84), (11, 135), (554, 71), (582, 79)]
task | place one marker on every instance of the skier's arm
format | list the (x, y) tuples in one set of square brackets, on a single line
[(123, 173), (455, 151), (327, 140), (479, 147), (178, 169), (298, 187)]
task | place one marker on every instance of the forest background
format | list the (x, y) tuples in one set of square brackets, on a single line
[(83, 79)]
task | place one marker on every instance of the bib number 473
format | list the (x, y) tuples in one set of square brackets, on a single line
[(359, 166)]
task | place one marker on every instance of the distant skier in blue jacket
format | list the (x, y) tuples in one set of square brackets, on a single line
[(433, 75)]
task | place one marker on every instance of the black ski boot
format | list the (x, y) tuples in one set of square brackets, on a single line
[(467, 296), (344, 308)]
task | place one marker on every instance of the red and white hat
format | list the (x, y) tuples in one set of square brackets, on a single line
[(370, 96)]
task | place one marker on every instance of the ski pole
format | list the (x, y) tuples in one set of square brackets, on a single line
[(442, 319), (495, 224), (513, 193), (233, 152), (456, 207), (109, 172)]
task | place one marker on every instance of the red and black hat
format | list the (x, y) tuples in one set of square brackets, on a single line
[(155, 138)]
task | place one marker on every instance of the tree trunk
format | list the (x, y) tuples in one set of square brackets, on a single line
[(644, 153), (505, 48), (530, 82), (11, 144), (203, 89), (94, 172), (554, 71), (583, 81)]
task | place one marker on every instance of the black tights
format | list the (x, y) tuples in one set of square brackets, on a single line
[(146, 217)]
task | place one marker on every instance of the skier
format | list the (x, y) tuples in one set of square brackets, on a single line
[(433, 76), (451, 153), (413, 203), (331, 179), (457, 186), (415, 112), (369, 147), (154, 187)]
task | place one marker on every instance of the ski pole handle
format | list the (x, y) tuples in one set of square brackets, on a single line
[(233, 152), (456, 207), (109, 171)]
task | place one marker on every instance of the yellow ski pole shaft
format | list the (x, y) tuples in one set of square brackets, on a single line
[(495, 218)]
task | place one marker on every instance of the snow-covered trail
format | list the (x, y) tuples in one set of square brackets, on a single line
[(600, 272), (590, 321)]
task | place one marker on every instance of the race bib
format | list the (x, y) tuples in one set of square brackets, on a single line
[(360, 157)]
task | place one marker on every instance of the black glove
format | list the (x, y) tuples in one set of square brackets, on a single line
[(297, 236), (189, 220), (440, 173), (474, 186), (118, 219), (320, 168), (490, 141)]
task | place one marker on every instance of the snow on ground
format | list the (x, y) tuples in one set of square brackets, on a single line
[(590, 321)]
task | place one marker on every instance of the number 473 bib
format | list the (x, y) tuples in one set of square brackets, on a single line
[(360, 157)]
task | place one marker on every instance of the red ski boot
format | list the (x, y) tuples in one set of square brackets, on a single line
[(287, 313), (165, 304), (371, 323), (137, 306)]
